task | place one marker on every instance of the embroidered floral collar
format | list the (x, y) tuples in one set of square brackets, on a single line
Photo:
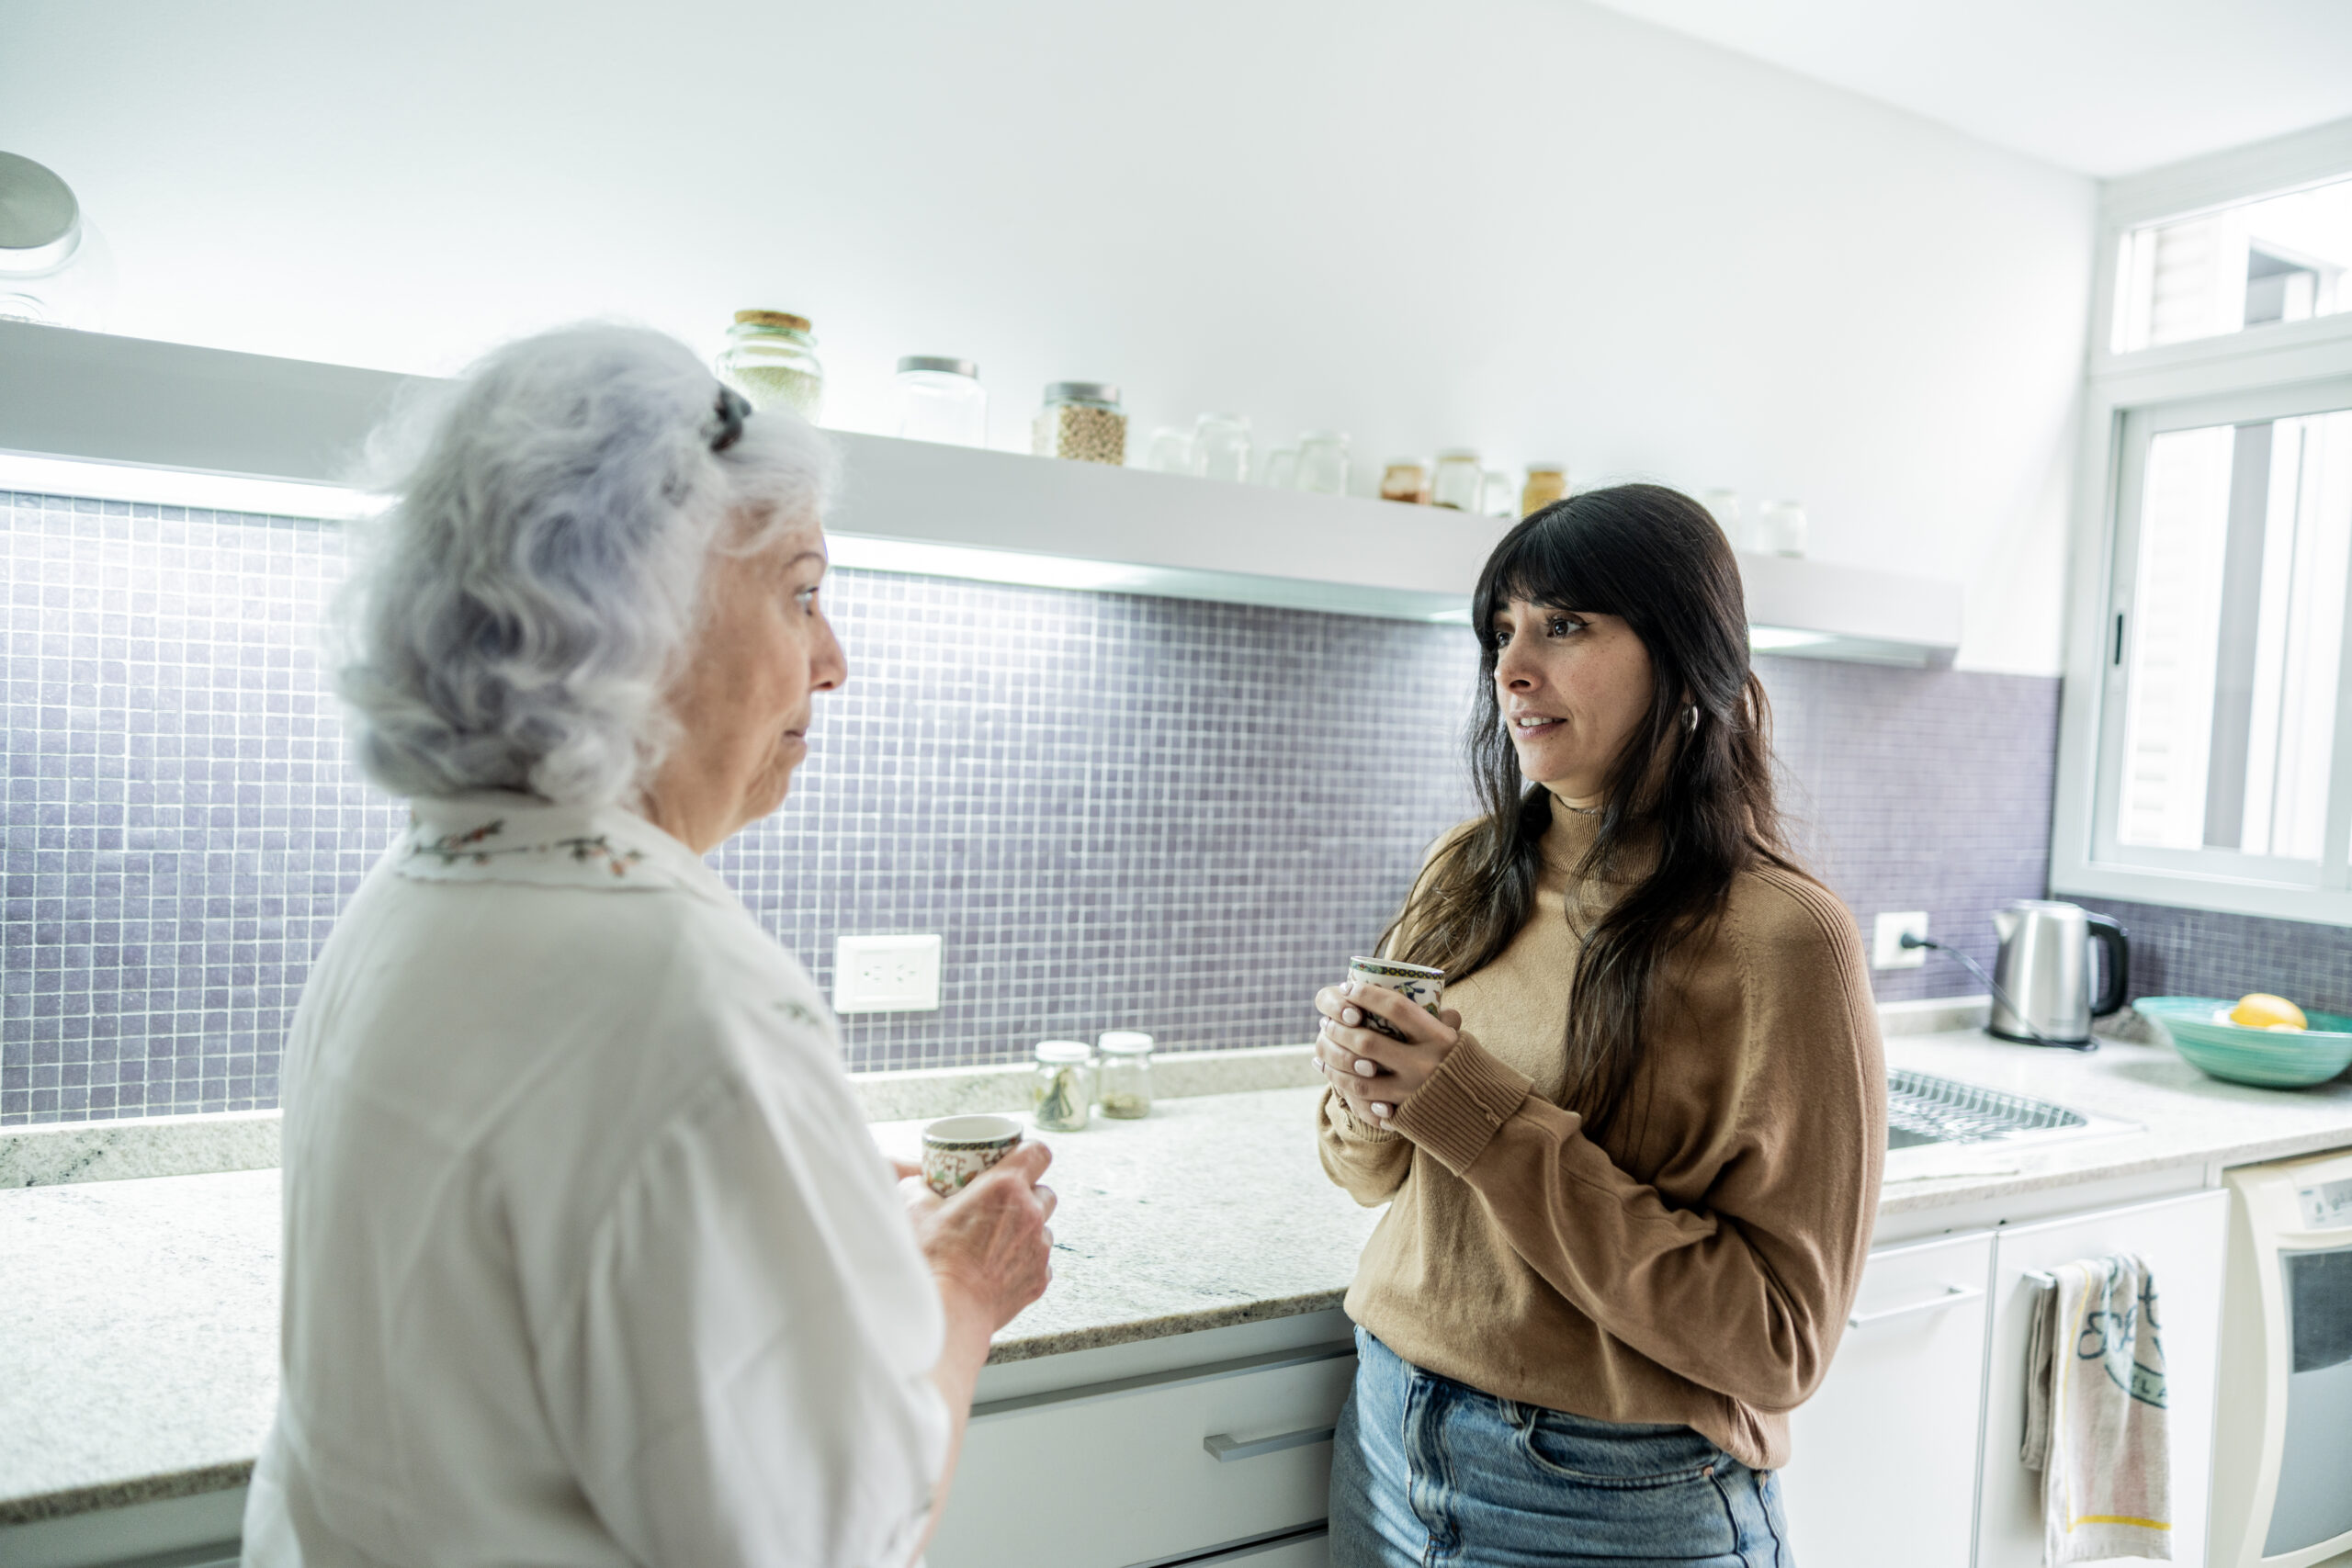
[(519, 838)]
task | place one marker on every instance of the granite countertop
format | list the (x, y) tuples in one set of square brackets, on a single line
[(139, 1357)]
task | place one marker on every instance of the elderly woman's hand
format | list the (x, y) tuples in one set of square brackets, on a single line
[(989, 1245), (1375, 1075)]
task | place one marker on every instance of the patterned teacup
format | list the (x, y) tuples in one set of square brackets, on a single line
[(1415, 982), (957, 1148)]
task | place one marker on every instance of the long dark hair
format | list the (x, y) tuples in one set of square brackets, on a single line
[(1698, 788)]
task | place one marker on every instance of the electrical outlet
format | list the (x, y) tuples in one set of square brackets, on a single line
[(1887, 950), (886, 973)]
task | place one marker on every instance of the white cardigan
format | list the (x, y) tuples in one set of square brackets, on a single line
[(589, 1257)]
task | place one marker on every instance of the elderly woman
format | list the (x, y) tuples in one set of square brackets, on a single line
[(588, 1257)]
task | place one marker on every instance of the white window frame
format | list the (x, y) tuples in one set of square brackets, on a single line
[(2209, 380)]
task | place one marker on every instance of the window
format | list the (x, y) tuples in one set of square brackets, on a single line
[(2228, 639), (2206, 736), (2279, 259)]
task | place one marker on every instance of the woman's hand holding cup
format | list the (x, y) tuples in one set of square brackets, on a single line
[(1374, 1069), (989, 1245)]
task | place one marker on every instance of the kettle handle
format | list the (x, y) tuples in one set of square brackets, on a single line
[(2114, 968)]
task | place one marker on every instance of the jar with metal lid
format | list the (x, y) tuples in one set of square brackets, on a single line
[(1454, 485), (1546, 482), (941, 399), (771, 358), (1062, 1089), (1082, 420), (1125, 1088)]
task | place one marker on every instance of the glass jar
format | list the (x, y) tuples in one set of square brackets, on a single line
[(1498, 497), (1062, 1088), (1323, 462), (1781, 528), (941, 399), (1082, 420), (1221, 446), (1546, 482), (1406, 480), (1125, 1088), (1723, 506), (771, 358), (1171, 452), (1454, 485), (1281, 471)]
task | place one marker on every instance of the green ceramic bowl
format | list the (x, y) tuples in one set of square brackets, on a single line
[(2268, 1058)]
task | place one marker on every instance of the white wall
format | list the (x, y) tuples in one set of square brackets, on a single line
[(1531, 226)]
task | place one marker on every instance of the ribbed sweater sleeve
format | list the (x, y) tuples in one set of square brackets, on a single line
[(1747, 1292), (1365, 1162)]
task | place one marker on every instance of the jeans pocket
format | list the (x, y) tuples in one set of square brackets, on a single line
[(1626, 1455)]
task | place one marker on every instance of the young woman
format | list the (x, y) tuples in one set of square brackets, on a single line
[(1632, 1171)]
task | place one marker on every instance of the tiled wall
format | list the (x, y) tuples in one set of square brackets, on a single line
[(1119, 811), (2197, 953)]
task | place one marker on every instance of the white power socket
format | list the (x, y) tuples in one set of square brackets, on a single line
[(1887, 950), (887, 974)]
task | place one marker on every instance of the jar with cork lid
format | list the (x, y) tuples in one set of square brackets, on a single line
[(1082, 422), (771, 358)]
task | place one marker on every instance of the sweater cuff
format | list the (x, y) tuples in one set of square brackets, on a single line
[(1348, 1126), (1458, 1112)]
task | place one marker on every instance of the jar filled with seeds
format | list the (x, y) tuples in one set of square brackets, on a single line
[(771, 358), (1125, 1090), (1082, 420), (1546, 482), (1062, 1089)]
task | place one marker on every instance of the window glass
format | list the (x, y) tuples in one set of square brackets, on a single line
[(2279, 259), (2235, 636)]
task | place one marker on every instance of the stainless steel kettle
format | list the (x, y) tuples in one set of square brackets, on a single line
[(2041, 987)]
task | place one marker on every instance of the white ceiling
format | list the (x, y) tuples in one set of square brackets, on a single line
[(2100, 87)]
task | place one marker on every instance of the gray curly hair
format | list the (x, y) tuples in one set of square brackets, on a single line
[(526, 602)]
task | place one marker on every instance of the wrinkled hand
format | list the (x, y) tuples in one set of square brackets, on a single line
[(1375, 1075), (990, 1243)]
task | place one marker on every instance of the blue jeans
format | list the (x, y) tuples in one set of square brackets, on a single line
[(1426, 1472)]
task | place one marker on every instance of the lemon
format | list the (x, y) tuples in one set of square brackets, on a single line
[(2262, 1010)]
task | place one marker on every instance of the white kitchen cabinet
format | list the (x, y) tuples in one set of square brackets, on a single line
[(1885, 1453), (2182, 1240), (1152, 1469)]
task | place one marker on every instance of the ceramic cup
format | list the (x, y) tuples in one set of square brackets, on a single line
[(1415, 982), (957, 1148)]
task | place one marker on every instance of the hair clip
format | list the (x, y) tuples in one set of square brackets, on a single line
[(729, 412)]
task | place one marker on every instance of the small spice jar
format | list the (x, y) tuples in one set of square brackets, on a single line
[(771, 358), (1546, 482), (1082, 420), (1455, 483), (1406, 480), (1125, 1089), (1063, 1086), (941, 399)]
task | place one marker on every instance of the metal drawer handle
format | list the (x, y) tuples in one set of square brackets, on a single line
[(1225, 1449), (1953, 1295)]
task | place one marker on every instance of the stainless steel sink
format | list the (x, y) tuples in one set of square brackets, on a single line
[(1923, 1109)]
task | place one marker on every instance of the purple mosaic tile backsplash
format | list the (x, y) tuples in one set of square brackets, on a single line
[(1118, 811)]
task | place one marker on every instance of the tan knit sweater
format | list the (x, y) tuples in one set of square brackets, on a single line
[(1697, 1265)]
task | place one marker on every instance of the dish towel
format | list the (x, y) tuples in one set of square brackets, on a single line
[(2094, 1414)]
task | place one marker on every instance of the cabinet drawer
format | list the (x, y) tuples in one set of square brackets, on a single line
[(1885, 1450), (1123, 1473)]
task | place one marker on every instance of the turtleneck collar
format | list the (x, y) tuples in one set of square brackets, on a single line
[(1571, 834)]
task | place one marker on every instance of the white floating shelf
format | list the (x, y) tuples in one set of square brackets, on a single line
[(912, 506)]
